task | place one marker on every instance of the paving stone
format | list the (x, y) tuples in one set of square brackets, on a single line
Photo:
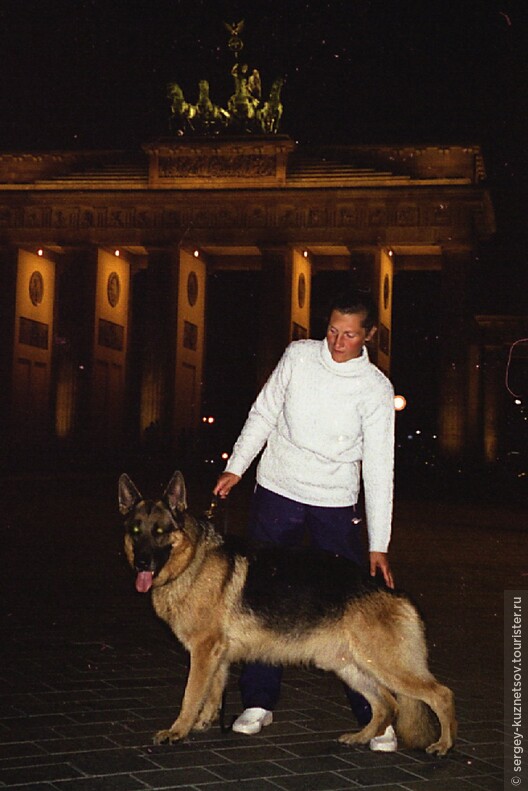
[(253, 752), (79, 745), (377, 775), (442, 784), (490, 782), (97, 762), (76, 730), (258, 784), (32, 787), (323, 781), (315, 763), (30, 774), (248, 769), (177, 759), (176, 778), (449, 767), (106, 783), (20, 750), (89, 672)]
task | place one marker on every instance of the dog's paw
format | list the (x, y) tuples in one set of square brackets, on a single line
[(352, 738), (202, 724), (439, 748), (168, 736)]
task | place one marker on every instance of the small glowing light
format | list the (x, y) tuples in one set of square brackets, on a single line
[(40, 252), (518, 401), (210, 420), (225, 456), (400, 402), (204, 420), (196, 253), (117, 253), (305, 253), (391, 253), (417, 431)]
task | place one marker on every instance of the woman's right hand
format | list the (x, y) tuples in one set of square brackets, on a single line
[(225, 483)]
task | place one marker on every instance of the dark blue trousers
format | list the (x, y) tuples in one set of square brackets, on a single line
[(278, 520)]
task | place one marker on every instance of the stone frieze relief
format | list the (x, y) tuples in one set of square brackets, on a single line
[(361, 214), (236, 166)]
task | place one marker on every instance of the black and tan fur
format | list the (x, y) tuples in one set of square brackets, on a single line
[(281, 607)]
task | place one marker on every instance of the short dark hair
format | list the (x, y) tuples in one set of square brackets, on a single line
[(356, 301)]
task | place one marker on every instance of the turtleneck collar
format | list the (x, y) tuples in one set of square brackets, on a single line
[(350, 368)]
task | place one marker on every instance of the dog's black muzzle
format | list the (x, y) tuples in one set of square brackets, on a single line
[(148, 562)]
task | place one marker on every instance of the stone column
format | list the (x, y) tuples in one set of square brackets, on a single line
[(492, 397), (8, 264), (301, 278), (34, 332), (153, 341), (455, 337), (473, 400), (111, 332), (76, 274), (284, 305), (384, 290), (275, 309), (190, 276)]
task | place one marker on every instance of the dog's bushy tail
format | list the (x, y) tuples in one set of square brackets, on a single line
[(416, 725)]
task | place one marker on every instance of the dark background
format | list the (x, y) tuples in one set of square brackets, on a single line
[(93, 73)]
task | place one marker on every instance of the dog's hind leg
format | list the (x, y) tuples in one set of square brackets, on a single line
[(206, 657), (417, 690), (415, 726), (442, 702), (213, 701), (395, 653), (404, 670), (383, 705)]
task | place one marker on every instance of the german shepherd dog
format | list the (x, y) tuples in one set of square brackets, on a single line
[(280, 606)]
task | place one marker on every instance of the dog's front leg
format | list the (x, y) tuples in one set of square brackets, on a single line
[(213, 701), (206, 655)]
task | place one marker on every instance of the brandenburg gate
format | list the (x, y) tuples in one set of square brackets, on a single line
[(105, 258)]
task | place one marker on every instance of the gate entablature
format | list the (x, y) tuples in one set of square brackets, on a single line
[(213, 163)]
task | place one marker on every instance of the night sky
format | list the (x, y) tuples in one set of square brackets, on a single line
[(93, 73)]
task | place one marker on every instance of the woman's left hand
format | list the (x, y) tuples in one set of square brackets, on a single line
[(380, 560)]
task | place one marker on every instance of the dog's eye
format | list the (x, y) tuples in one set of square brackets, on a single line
[(135, 530), (159, 530)]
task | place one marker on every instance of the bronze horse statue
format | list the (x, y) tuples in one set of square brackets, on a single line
[(270, 113), (209, 116), (244, 113), (180, 108), (242, 105)]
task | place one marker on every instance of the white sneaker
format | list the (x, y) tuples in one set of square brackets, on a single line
[(252, 721), (386, 743)]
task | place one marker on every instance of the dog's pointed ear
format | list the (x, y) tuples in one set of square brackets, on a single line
[(175, 494), (128, 494)]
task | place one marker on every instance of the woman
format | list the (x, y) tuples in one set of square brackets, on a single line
[(325, 419)]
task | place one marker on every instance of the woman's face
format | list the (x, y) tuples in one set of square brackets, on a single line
[(346, 335)]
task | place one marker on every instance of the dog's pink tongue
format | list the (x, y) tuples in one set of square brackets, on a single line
[(144, 581)]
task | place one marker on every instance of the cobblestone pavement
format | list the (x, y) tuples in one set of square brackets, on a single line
[(88, 673)]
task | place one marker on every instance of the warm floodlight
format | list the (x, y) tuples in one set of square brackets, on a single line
[(400, 402)]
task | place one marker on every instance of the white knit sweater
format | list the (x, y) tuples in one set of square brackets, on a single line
[(324, 424)]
